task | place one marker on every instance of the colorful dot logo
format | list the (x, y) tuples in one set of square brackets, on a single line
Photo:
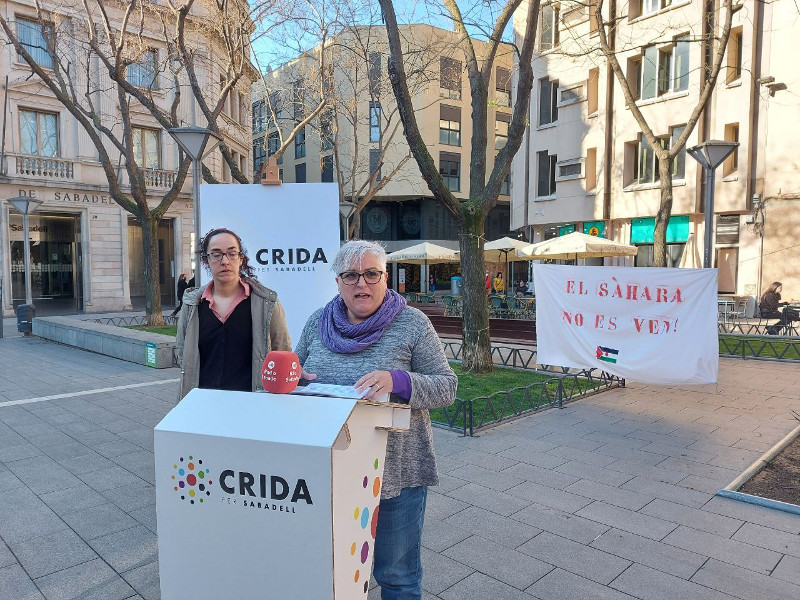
[(366, 522), (191, 479)]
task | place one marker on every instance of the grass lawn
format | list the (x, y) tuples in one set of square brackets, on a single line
[(759, 346), (170, 330)]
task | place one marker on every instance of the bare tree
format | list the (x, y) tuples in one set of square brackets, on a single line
[(715, 40), (73, 44), (470, 214)]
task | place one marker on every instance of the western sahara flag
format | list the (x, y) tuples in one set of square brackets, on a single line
[(608, 355)]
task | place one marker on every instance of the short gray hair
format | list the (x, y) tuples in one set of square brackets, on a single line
[(352, 253)]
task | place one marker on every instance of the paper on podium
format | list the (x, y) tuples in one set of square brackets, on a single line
[(263, 497), (334, 391)]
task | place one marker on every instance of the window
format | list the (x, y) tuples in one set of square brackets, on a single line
[(548, 101), (734, 66), (31, 36), (501, 130), (242, 109), (147, 147), (274, 144), (142, 73), (38, 133), (273, 106), (591, 169), (449, 78), (374, 74), (502, 86), (259, 154), (450, 169), (731, 164), (374, 121), (546, 174), (592, 95), (639, 8), (679, 162), (592, 16), (505, 187), (569, 169), (646, 166), (660, 71), (300, 144), (298, 99), (300, 173), (549, 25), (326, 129), (572, 94), (375, 164), (449, 125), (259, 122), (326, 168), (226, 109)]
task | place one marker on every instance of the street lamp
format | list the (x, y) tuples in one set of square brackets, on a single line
[(710, 155), (25, 206), (346, 210), (193, 141)]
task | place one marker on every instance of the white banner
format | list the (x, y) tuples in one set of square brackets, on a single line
[(645, 324), (291, 233)]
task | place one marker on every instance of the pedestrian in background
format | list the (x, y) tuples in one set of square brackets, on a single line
[(182, 285)]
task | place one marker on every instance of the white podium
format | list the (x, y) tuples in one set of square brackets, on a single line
[(269, 496)]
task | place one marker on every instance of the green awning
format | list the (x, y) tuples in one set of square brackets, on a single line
[(596, 228), (566, 229), (677, 230)]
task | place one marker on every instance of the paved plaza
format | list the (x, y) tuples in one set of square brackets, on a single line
[(610, 498)]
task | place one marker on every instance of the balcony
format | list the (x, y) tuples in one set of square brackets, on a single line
[(159, 178), (41, 167)]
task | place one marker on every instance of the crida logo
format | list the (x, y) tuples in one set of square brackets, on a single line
[(191, 480)]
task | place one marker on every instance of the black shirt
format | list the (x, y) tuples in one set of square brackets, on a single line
[(226, 348)]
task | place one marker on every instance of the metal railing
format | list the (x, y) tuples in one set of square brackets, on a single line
[(563, 385), (760, 327), (127, 321), (44, 167), (761, 347)]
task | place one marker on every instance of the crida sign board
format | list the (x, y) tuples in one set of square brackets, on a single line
[(651, 325), (291, 232), (269, 496)]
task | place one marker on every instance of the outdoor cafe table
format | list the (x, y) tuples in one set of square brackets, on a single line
[(725, 308)]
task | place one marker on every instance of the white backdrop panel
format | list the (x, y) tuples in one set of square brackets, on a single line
[(291, 233)]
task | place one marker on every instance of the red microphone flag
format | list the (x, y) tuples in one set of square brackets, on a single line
[(280, 372)]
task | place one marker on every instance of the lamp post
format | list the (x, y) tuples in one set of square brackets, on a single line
[(194, 142), (710, 155), (346, 210), (25, 206)]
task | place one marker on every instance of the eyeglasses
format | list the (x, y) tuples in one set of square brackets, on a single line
[(351, 277), (217, 256)]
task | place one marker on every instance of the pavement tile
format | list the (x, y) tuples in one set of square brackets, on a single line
[(602, 474), (693, 517), (613, 495), (86, 464), (551, 497), (743, 583), (788, 570), (53, 552), (145, 580), (657, 473), (487, 460), (559, 584), (590, 458), (657, 555), (147, 516), (98, 521), (577, 558), (128, 549), (18, 452), (771, 539), (438, 535), (724, 549), (667, 491), (486, 524), (16, 585), (73, 499), (6, 558), (440, 572), (501, 503), (649, 584), (106, 479), (93, 580), (499, 562), (486, 477), (42, 474), (440, 506), (561, 523), (9, 481), (24, 516), (480, 587), (627, 520), (548, 477), (768, 517), (448, 482), (131, 497)]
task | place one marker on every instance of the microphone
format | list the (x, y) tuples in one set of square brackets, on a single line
[(280, 372)]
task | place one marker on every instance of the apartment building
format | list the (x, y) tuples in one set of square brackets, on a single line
[(359, 134), (86, 250), (585, 165)]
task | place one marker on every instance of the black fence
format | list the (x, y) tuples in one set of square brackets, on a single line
[(128, 321), (761, 347)]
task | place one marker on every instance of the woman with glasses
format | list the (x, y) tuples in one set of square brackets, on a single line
[(368, 337), (226, 327)]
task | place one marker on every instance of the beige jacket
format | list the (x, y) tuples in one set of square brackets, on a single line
[(270, 332)]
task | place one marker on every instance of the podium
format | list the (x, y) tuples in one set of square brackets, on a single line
[(270, 496)]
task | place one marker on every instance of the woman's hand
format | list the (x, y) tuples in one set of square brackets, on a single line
[(306, 375), (378, 383)]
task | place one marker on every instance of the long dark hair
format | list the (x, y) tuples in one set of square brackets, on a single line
[(771, 290), (245, 270)]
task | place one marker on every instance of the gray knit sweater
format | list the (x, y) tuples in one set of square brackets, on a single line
[(411, 344)]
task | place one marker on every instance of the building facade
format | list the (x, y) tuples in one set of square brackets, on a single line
[(358, 141), (86, 250), (586, 166)]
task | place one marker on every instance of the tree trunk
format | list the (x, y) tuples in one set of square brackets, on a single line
[(476, 348), (152, 287), (355, 226), (664, 211)]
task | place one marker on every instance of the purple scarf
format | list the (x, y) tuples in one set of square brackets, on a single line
[(340, 335)]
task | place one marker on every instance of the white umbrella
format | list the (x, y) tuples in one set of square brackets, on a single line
[(423, 254), (504, 249), (690, 258), (576, 245)]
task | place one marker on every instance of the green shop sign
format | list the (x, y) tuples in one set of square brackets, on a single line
[(677, 230), (595, 228)]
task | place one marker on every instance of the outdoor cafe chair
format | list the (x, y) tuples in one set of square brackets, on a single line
[(451, 306), (516, 309), (496, 303)]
